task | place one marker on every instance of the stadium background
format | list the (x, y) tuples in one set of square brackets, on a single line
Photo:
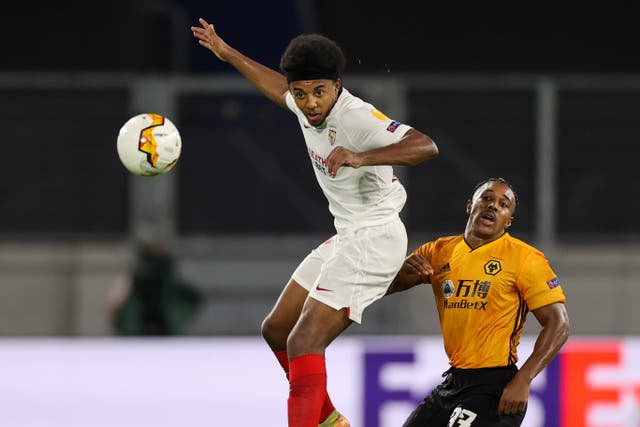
[(549, 102)]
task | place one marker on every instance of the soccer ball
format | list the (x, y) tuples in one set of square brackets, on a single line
[(149, 144)]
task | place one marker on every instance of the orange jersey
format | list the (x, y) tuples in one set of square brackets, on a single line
[(483, 296)]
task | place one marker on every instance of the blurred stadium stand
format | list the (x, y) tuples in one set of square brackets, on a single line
[(556, 112)]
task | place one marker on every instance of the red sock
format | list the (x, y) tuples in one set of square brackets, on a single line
[(308, 386), (283, 359), (327, 405)]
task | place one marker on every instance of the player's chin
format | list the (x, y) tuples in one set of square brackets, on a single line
[(486, 228), (315, 119)]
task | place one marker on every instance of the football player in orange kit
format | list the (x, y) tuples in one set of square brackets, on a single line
[(485, 282)]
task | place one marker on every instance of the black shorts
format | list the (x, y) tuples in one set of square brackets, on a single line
[(466, 398)]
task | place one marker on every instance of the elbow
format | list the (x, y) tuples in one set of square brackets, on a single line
[(428, 150), (432, 149), (417, 148)]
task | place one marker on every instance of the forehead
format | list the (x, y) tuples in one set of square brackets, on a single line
[(307, 85), (496, 187)]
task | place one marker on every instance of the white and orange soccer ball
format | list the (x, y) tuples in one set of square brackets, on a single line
[(149, 144)]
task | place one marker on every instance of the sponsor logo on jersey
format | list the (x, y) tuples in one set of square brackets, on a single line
[(318, 161), (448, 288), (473, 288), (466, 304), (553, 283), (492, 267), (393, 126), (445, 267), (332, 136), (469, 292), (320, 288)]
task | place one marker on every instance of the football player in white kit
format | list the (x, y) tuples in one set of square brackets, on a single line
[(352, 146)]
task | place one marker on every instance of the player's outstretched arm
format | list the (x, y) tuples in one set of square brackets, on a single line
[(271, 83), (555, 330), (415, 271)]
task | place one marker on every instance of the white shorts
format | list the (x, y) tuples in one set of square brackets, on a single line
[(355, 269)]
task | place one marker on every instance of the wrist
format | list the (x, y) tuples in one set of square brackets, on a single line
[(361, 159)]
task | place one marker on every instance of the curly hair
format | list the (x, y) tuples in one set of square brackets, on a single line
[(312, 57)]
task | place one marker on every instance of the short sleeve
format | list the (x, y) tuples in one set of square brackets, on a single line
[(538, 284), (369, 128), (424, 250)]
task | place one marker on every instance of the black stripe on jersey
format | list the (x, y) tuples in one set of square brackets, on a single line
[(518, 325)]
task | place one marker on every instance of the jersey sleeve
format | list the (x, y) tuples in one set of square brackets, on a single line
[(424, 250), (368, 128), (538, 284)]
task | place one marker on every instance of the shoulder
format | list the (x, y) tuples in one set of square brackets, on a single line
[(350, 107), (365, 126), (352, 110), (441, 243), (449, 240), (523, 255), (521, 246)]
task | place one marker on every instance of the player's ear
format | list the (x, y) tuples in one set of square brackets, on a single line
[(509, 223), (468, 207)]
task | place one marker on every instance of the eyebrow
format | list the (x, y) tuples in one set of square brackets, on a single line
[(322, 85), (492, 191)]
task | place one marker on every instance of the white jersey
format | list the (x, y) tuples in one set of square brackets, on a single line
[(369, 195)]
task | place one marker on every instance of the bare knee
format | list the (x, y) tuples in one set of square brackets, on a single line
[(275, 333), (278, 324)]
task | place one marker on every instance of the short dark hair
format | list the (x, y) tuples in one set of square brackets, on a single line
[(497, 179), (312, 57)]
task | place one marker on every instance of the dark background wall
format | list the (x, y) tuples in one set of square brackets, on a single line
[(405, 35), (376, 35)]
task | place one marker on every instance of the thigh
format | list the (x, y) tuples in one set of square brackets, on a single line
[(308, 271), (435, 409), (318, 325), (427, 414), (480, 392), (361, 268), (480, 410), (286, 310)]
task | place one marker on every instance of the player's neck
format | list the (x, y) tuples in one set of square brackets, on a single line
[(474, 241)]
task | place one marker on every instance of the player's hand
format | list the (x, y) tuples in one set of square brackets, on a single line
[(514, 397), (418, 265), (341, 156), (415, 270), (207, 37)]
